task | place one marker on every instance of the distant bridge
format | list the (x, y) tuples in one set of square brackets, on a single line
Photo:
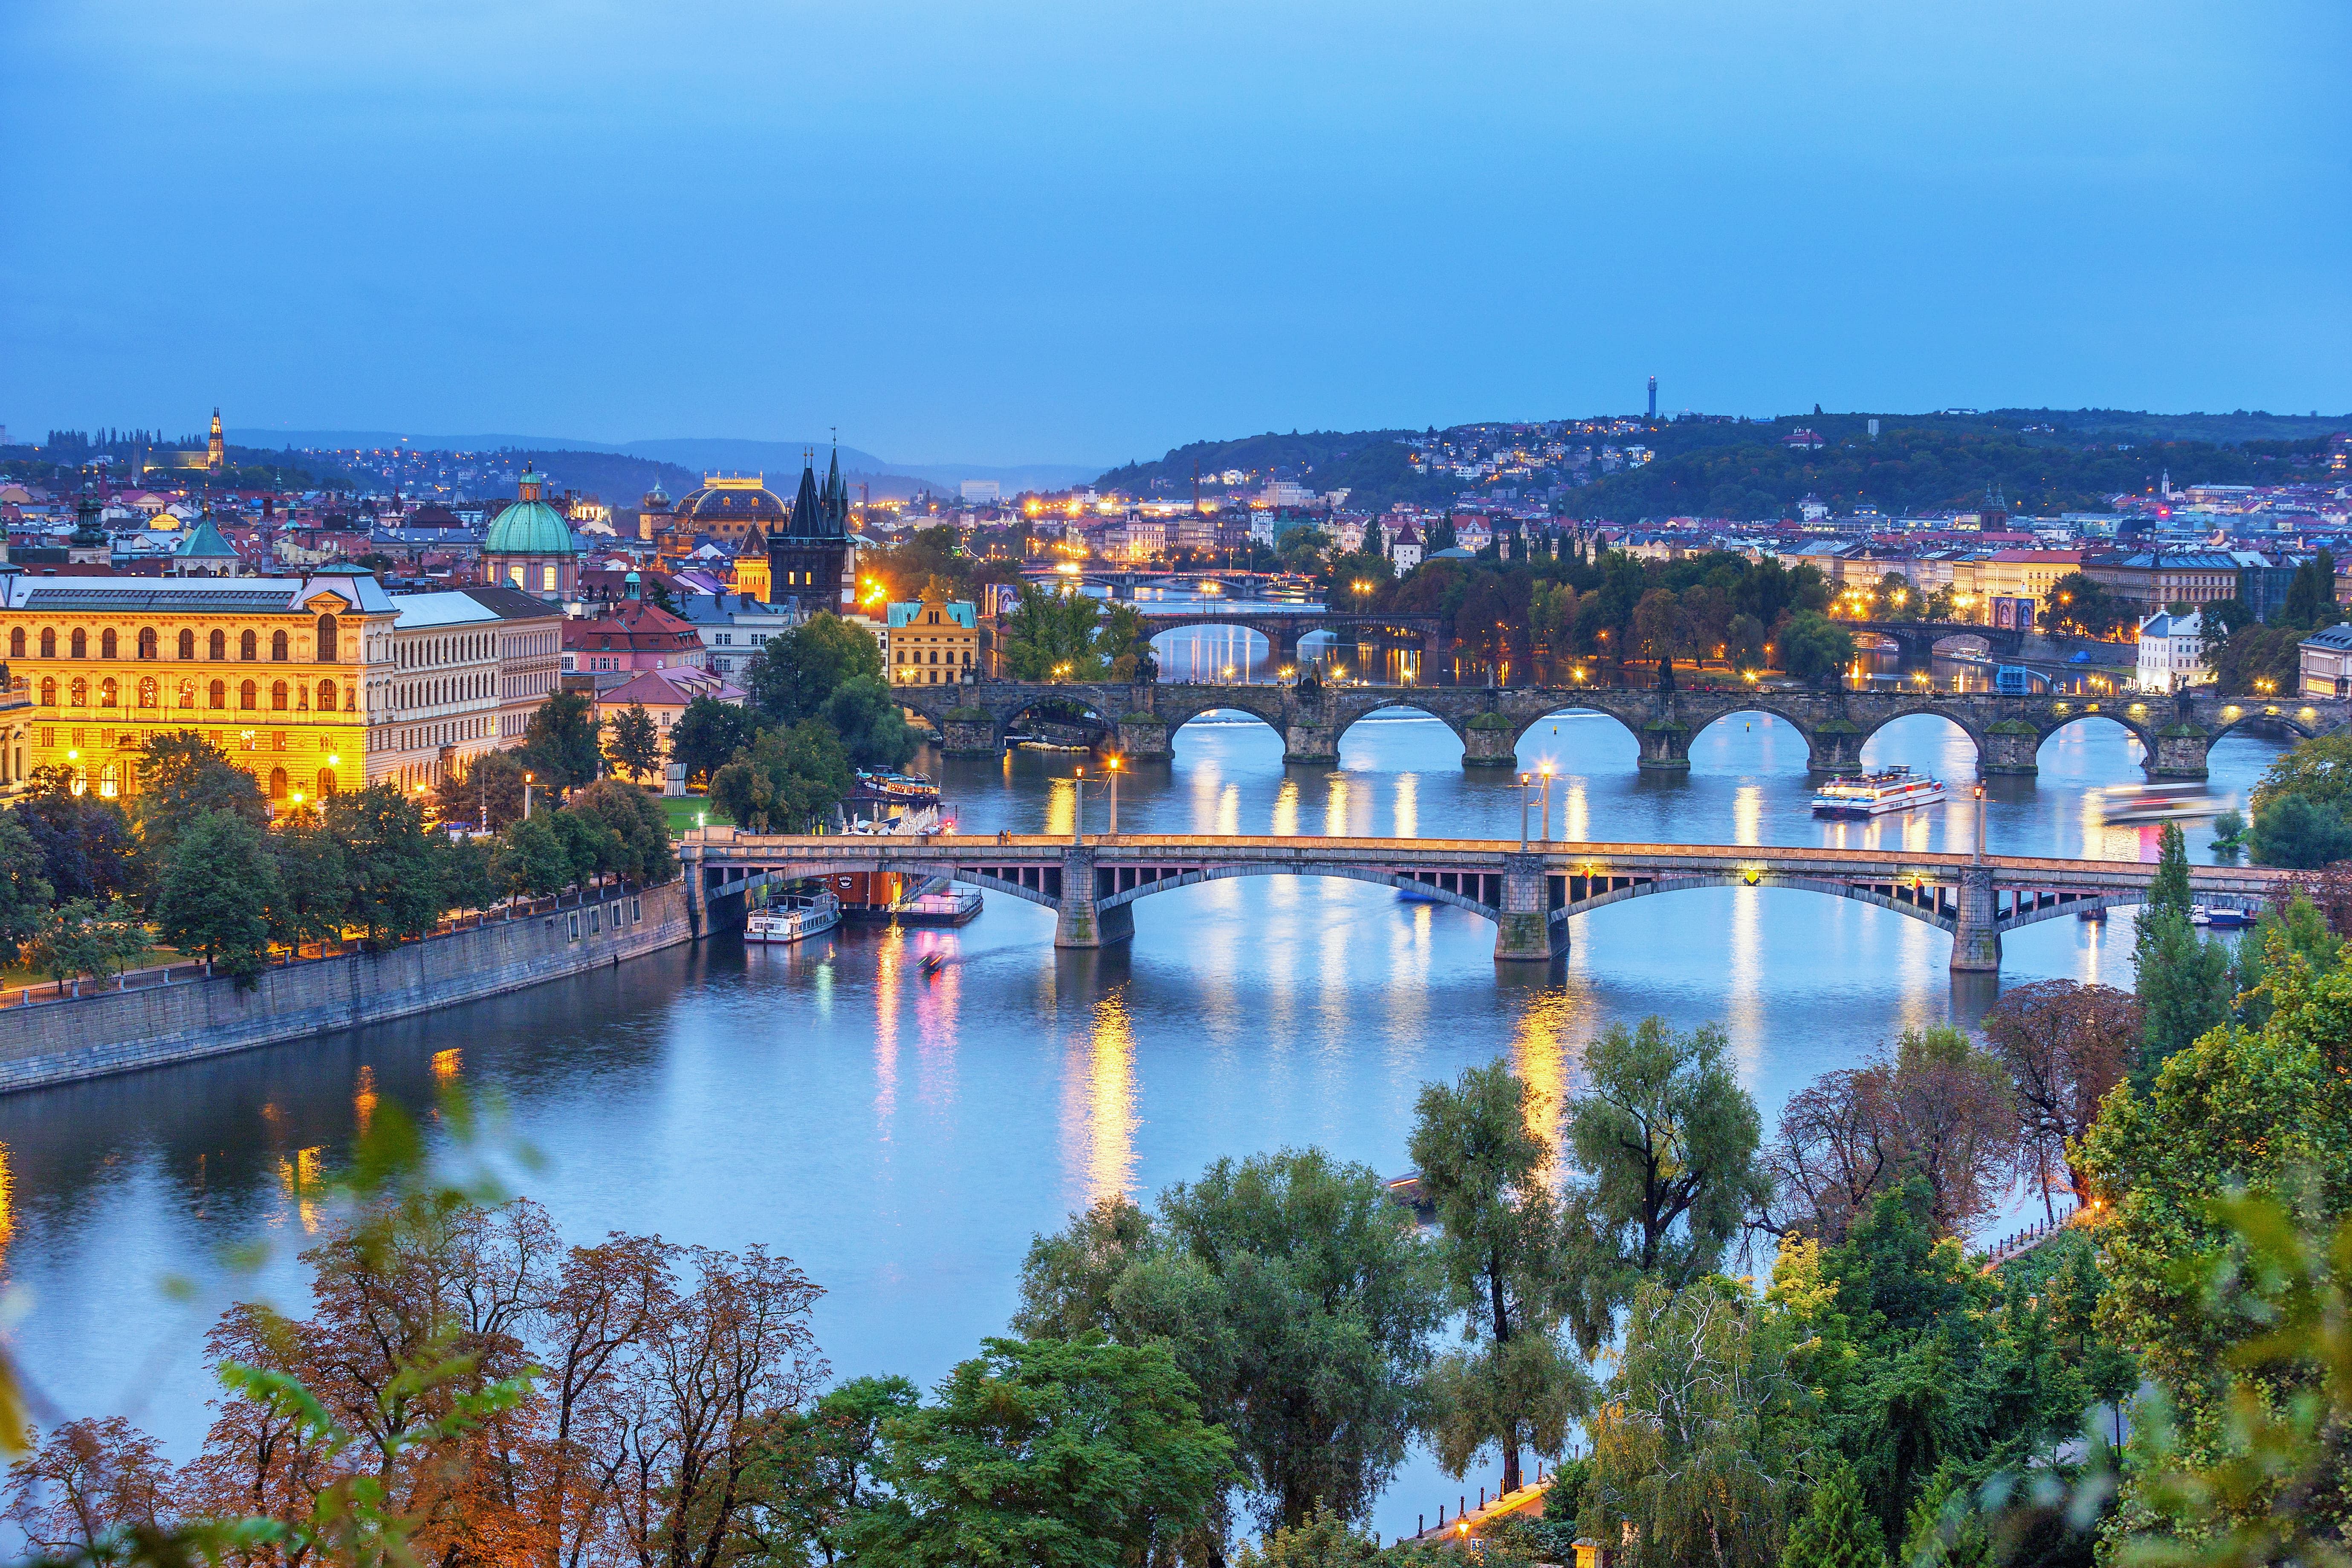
[(2176, 731), (1282, 628), (1530, 893)]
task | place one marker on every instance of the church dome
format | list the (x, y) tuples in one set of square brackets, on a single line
[(530, 526), (729, 506)]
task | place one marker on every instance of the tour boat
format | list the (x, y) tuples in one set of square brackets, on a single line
[(2158, 803), (887, 787), (1874, 794), (950, 905), (2219, 920), (794, 918)]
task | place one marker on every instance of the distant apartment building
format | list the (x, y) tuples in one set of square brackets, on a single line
[(470, 667), (2154, 579), (931, 643), (2326, 662), (2171, 652)]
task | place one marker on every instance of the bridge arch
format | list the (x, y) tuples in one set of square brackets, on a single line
[(1519, 734), (1222, 873), (2139, 728), (1389, 701), (2286, 717), (1934, 904), (1919, 710)]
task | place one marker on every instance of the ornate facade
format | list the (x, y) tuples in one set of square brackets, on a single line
[(811, 564)]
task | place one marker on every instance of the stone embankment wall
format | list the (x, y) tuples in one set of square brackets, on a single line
[(117, 1031)]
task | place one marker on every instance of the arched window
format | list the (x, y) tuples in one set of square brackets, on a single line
[(77, 694), (326, 782), (48, 642), (107, 646), (329, 652), (219, 646), (187, 691), (249, 647), (81, 643), (107, 692), (277, 697), (110, 783), (326, 697), (248, 697), (277, 646), (187, 644), (49, 691), (148, 642), (15, 642), (219, 693), (149, 691), (277, 784)]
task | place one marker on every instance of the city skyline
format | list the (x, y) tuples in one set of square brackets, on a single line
[(1002, 251)]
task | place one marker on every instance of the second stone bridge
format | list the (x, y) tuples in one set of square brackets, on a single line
[(2176, 732)]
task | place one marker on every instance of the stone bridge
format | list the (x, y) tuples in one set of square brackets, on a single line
[(1283, 629), (2176, 731), (1530, 891)]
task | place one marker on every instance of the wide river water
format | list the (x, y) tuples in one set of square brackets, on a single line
[(902, 1137)]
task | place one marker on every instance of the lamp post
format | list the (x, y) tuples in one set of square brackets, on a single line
[(1078, 806), (1546, 803), (526, 795), (1523, 813), (1112, 763), (1980, 822)]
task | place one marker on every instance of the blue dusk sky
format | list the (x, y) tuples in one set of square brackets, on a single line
[(995, 233)]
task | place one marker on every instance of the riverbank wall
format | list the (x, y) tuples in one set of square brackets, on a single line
[(71, 1038)]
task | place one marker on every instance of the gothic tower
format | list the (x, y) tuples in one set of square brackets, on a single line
[(216, 449)]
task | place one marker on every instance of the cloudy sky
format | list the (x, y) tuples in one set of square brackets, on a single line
[(1064, 231)]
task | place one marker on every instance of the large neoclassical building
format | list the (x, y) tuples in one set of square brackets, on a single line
[(284, 674)]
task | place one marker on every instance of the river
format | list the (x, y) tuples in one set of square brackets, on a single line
[(903, 1137)]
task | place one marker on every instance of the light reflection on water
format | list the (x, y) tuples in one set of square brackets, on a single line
[(902, 1134)]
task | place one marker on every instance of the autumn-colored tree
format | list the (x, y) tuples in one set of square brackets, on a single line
[(90, 1489), (2065, 1045)]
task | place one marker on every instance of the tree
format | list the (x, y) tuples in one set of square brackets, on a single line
[(1051, 637), (1666, 1141), (2065, 1045), (560, 744), (1837, 1531), (2311, 594), (83, 936), (488, 793), (1700, 1443), (395, 891), (1322, 1539), (2182, 982), (797, 671), (707, 735), (1815, 649), (530, 858), (1294, 1294), (1945, 1529), (25, 892), (872, 728), (182, 775), (784, 780), (1059, 1454), (591, 848), (814, 1469), (1744, 642), (2085, 608), (635, 743), (2296, 831), (85, 842), (638, 825), (217, 894), (90, 1490), (1498, 1252)]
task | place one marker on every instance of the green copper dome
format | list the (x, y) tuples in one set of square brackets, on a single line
[(530, 526)]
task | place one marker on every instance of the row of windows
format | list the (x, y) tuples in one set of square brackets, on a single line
[(249, 644), (427, 651), (919, 658), (149, 694), (453, 689), (120, 776)]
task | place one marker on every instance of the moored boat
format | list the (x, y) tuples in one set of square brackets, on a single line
[(1897, 788), (795, 917), (950, 905)]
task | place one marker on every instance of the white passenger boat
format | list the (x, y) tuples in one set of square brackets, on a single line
[(1874, 794), (794, 918)]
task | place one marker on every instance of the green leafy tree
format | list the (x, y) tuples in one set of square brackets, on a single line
[(2311, 594), (1701, 1441), (1836, 1530), (85, 841), (1667, 1141), (591, 848), (488, 793), (1744, 643), (182, 775), (2078, 605), (2296, 831), (639, 827), (313, 884), (530, 858), (2183, 981), (633, 742), (1946, 1530), (707, 735), (872, 728), (2319, 770), (1322, 1539), (1053, 1453), (391, 860), (217, 894), (1052, 636), (25, 892), (463, 873), (796, 672), (1514, 1385), (1295, 1298), (560, 745), (785, 780), (813, 1468), (83, 936), (1814, 648)]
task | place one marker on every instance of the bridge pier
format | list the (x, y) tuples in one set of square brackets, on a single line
[(2180, 752), (970, 733), (1835, 747), (1143, 738), (2009, 747), (1665, 745), (1487, 742), (1077, 921), (1525, 932), (1976, 942)]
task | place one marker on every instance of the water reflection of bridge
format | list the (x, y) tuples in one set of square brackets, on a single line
[(1530, 893)]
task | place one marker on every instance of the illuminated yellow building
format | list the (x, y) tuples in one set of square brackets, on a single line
[(931, 643), (282, 673)]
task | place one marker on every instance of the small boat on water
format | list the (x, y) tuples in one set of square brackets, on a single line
[(2096, 916), (2219, 920), (1874, 794), (795, 917), (950, 905), (2158, 803)]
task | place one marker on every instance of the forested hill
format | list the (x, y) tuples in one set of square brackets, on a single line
[(2044, 460)]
